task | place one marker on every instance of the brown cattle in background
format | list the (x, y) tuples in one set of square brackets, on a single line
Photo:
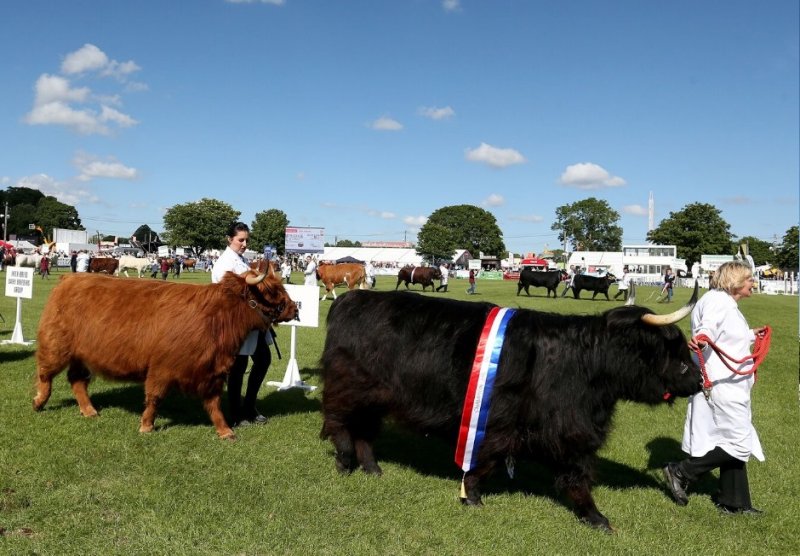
[(103, 264), (424, 275), (349, 274), (190, 349)]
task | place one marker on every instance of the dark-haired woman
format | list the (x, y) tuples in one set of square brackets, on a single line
[(255, 346)]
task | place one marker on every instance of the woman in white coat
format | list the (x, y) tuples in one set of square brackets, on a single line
[(719, 432), (255, 346)]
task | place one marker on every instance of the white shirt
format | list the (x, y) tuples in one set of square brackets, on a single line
[(232, 261), (311, 273), (445, 274), (724, 420)]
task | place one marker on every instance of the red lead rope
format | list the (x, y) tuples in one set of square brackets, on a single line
[(760, 350)]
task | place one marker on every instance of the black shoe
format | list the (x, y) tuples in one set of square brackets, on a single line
[(255, 418), (676, 483), (725, 509)]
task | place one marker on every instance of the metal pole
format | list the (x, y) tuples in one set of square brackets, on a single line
[(5, 223)]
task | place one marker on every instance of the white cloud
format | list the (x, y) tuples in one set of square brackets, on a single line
[(52, 88), (110, 115), (494, 200), (90, 167), (635, 210), (494, 156), (55, 99), (82, 121), (527, 218), (435, 113), (63, 191), (416, 221), (385, 123), (86, 58), (451, 5), (586, 175), (386, 215)]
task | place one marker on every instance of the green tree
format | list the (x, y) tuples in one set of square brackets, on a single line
[(19, 218), (788, 252), (200, 225), (460, 227), (269, 228), (51, 213), (760, 250), (589, 225), (697, 230), (435, 243)]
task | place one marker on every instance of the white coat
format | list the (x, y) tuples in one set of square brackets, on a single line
[(232, 261), (725, 419), (311, 273)]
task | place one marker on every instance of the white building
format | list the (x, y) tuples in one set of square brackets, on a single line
[(646, 263)]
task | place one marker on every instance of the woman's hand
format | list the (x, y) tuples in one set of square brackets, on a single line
[(695, 344), (760, 331)]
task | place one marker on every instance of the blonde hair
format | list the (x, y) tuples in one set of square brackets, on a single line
[(732, 275)]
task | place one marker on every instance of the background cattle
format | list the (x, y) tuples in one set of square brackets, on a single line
[(350, 274), (557, 383), (596, 284), (138, 264), (169, 351), (424, 275), (31, 261), (107, 265), (549, 279)]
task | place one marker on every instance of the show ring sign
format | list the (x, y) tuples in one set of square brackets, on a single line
[(307, 300), (19, 284)]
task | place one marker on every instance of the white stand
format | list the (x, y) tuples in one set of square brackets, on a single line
[(16, 336), (291, 379)]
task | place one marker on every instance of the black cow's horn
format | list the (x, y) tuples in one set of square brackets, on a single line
[(671, 318), (255, 280)]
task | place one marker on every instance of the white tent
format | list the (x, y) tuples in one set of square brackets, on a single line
[(375, 255)]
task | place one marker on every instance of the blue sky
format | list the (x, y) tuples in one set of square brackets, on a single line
[(364, 117)]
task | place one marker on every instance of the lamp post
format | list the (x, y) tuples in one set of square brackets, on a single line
[(5, 223)]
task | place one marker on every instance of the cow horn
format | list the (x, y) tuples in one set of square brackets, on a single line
[(255, 280), (671, 318), (631, 294)]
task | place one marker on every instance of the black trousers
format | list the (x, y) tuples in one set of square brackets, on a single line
[(262, 358), (734, 488)]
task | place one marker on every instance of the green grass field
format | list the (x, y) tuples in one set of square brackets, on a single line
[(71, 485)]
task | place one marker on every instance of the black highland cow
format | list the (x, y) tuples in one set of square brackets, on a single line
[(558, 380), (549, 279), (596, 284)]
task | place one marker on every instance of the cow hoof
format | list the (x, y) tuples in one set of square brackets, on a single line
[(89, 412), (601, 525), (146, 428), (230, 435), (373, 470), (471, 502)]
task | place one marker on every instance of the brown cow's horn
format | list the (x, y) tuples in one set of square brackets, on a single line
[(671, 318), (255, 280)]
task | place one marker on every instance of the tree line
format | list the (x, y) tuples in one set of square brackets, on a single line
[(587, 225)]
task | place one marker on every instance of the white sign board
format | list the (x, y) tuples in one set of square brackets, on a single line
[(307, 299), (19, 282), (474, 264), (305, 240), (163, 250)]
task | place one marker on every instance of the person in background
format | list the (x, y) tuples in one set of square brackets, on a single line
[(471, 289), (44, 266), (445, 271), (154, 267), (255, 346), (669, 282), (624, 284), (286, 270), (719, 431), (310, 272), (370, 272), (73, 261)]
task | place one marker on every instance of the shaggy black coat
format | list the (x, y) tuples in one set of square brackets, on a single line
[(596, 284), (549, 279), (558, 380)]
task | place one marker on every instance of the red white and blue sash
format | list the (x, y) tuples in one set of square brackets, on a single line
[(479, 390)]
